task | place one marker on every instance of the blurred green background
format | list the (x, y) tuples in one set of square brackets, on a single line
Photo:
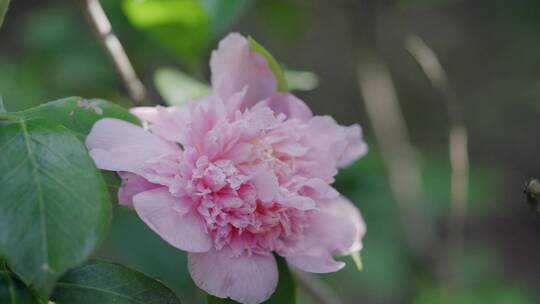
[(490, 49)]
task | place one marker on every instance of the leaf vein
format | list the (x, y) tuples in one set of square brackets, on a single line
[(57, 154), (8, 142), (64, 186), (39, 189), (13, 171)]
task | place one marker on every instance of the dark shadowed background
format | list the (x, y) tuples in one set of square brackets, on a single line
[(490, 50)]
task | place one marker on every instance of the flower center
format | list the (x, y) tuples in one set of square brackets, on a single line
[(234, 216)]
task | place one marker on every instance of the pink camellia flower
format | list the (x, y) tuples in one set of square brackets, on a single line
[(238, 177)]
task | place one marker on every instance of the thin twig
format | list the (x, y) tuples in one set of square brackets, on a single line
[(4, 6), (315, 288), (100, 24), (459, 155), (390, 128)]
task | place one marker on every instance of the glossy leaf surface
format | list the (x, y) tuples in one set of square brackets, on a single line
[(54, 205)]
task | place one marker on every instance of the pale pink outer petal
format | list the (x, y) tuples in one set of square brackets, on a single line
[(337, 228), (319, 189), (149, 114), (172, 219), (327, 137), (356, 147), (132, 184), (235, 67), (331, 146), (171, 123), (290, 105), (246, 279), (317, 263), (341, 207), (117, 145)]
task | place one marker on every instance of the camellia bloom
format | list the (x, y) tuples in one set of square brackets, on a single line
[(238, 177)]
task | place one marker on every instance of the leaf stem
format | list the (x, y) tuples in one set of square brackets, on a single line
[(100, 24), (4, 6)]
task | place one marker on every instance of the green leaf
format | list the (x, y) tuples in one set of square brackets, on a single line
[(13, 291), (79, 115), (4, 4), (187, 27), (153, 256), (54, 205), (76, 113), (216, 300), (177, 88), (274, 65), (284, 294), (180, 25), (107, 283)]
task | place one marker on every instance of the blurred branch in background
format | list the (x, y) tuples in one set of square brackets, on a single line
[(389, 125), (2, 107), (301, 80), (4, 5), (458, 151), (100, 24)]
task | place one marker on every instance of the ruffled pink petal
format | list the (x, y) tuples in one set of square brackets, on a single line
[(235, 67), (240, 153), (246, 279), (117, 145), (132, 184), (173, 219), (266, 184), (298, 202), (337, 228)]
